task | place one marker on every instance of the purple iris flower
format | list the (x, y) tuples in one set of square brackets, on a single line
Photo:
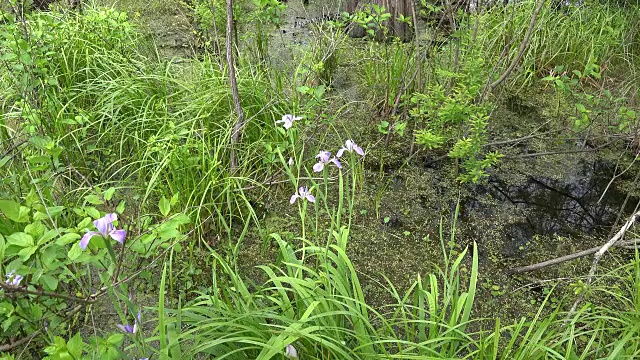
[(13, 279), (350, 146), (324, 157), (105, 229), (290, 352), (288, 120), (131, 329), (303, 193)]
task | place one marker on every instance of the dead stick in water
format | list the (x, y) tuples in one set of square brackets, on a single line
[(598, 256), (629, 244)]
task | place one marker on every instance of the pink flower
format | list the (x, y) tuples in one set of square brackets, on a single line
[(288, 120), (303, 193), (290, 352), (350, 146), (13, 279), (105, 229), (323, 159)]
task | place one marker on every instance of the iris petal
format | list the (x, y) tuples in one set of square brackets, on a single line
[(318, 167), (118, 235), (105, 224), (290, 352), (85, 239), (126, 328)]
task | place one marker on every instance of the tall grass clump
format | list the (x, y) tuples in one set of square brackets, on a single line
[(118, 115), (318, 307), (573, 36)]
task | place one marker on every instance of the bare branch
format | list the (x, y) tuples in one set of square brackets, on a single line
[(235, 135), (523, 47)]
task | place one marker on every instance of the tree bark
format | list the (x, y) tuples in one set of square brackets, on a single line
[(394, 7), (237, 129)]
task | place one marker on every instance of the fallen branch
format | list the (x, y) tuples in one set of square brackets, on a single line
[(21, 289), (598, 255), (628, 244), (565, 152)]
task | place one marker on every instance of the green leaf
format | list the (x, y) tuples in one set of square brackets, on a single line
[(168, 233), (55, 210), (49, 282), (581, 107), (85, 222), (35, 229), (67, 239), (14, 211), (115, 339), (74, 345), (20, 239), (8, 56), (26, 59), (39, 215), (26, 253), (94, 199), (108, 194), (75, 251), (121, 206), (165, 206), (4, 160), (92, 212), (47, 236), (174, 199), (49, 257)]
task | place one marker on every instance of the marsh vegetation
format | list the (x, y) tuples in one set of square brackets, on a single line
[(264, 179)]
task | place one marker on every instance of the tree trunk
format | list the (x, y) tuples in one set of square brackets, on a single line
[(394, 7)]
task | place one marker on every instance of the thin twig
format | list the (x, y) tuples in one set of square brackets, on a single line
[(19, 289), (558, 152)]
